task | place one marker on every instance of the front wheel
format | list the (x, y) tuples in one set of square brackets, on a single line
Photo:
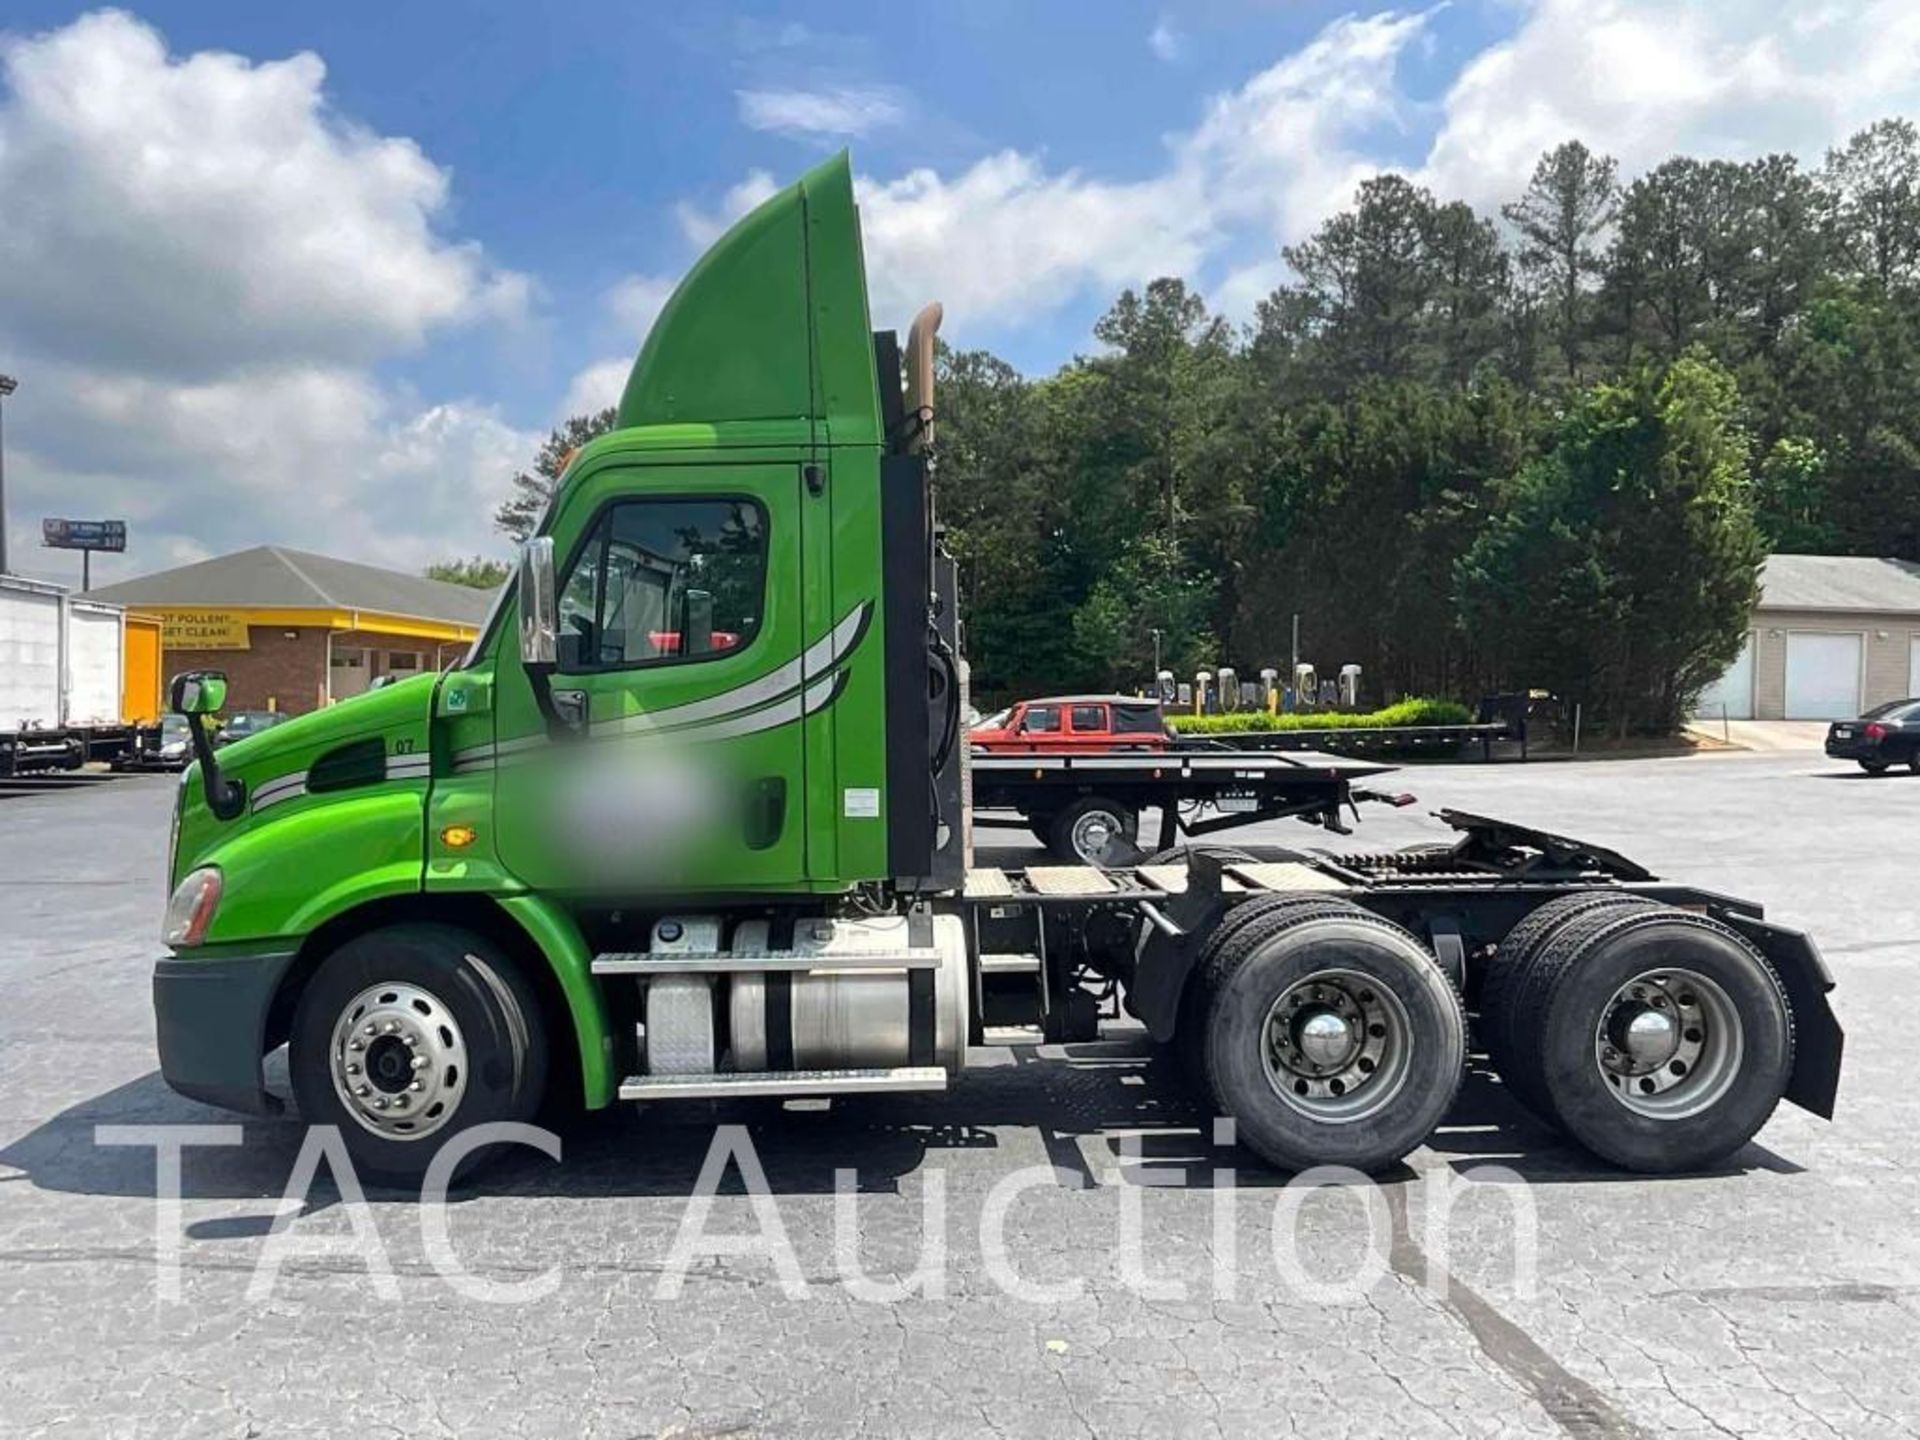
[(407, 1036)]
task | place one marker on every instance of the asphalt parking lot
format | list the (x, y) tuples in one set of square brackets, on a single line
[(1778, 1296)]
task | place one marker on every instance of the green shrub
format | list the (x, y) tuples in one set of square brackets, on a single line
[(1404, 712)]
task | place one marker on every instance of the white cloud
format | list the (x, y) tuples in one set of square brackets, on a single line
[(597, 387), (1166, 41), (702, 227), (635, 302), (191, 214), (1643, 80), (319, 458), (1007, 240), (838, 112), (200, 262)]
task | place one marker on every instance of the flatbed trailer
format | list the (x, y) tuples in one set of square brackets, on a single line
[(1086, 807), (1398, 740)]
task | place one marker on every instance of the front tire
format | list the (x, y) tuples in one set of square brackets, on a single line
[(409, 1035), (1332, 1037)]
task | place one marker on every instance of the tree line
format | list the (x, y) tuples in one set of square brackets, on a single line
[(1547, 448)]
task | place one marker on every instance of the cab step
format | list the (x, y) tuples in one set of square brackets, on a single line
[(1013, 1035), (783, 1083), (721, 962), (1009, 964)]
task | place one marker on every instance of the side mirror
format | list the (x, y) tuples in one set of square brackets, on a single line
[(196, 695), (539, 606), (197, 692)]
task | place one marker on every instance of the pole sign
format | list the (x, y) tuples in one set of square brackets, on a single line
[(108, 535)]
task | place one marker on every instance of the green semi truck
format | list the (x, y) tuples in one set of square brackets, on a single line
[(689, 823)]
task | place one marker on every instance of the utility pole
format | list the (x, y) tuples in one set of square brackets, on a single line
[(7, 386), (1294, 665), (1156, 657)]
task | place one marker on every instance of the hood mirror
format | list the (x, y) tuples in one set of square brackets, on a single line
[(198, 692)]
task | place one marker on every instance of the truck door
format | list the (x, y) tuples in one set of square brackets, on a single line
[(680, 665), (1089, 727)]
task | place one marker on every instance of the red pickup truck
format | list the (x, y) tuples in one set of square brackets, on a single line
[(1073, 723)]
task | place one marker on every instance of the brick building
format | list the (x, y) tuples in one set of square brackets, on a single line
[(296, 631)]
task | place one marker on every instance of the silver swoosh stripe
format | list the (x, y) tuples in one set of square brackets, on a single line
[(823, 654), (287, 787), (265, 799), (814, 697), (783, 682), (817, 696)]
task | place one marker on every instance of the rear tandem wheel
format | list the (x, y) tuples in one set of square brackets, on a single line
[(1657, 1038), (1329, 1034)]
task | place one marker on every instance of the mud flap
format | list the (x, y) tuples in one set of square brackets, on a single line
[(1176, 929), (1818, 1038)]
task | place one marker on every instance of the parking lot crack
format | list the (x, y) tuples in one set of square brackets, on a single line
[(1579, 1409)]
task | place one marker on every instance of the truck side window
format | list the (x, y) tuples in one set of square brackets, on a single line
[(1089, 719), (665, 580), (1044, 718)]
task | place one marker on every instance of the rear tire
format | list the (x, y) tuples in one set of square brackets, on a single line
[(1661, 1040), (1503, 1021), (1331, 1037), (1873, 767), (390, 999), (1084, 832), (1190, 1027)]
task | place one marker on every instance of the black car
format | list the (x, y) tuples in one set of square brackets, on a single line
[(1885, 736), (242, 723)]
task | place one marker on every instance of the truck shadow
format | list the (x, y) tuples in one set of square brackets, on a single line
[(1104, 1113)]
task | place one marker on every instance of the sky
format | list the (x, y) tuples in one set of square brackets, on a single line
[(324, 275)]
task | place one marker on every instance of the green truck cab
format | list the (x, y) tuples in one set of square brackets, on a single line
[(688, 822), (710, 711)]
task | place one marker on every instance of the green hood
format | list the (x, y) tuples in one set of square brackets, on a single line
[(298, 741)]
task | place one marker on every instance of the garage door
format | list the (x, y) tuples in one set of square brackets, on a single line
[(1913, 668), (1732, 694), (1823, 677)]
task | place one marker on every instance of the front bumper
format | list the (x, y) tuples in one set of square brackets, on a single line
[(210, 1019)]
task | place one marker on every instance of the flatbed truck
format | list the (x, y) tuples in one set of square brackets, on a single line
[(607, 858), (1086, 807)]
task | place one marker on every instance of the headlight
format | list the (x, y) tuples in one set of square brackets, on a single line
[(190, 909)]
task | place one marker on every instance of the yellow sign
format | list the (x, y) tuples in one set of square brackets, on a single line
[(205, 630)]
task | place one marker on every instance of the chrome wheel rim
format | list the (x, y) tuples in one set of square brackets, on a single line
[(1669, 1043), (399, 1062), (1094, 834), (1337, 1046)]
